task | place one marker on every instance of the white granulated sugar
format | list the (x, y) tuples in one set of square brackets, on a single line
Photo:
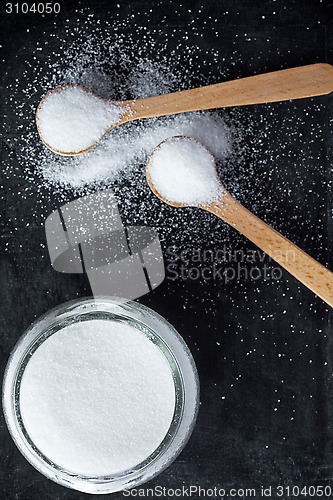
[(119, 60), (97, 397), (121, 68), (130, 144), (70, 119), (183, 171)]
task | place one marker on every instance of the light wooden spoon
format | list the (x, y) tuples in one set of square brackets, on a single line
[(293, 83), (303, 267)]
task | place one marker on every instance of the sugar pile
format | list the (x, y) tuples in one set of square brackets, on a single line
[(71, 119), (124, 59), (119, 60), (97, 397), (130, 145), (183, 171)]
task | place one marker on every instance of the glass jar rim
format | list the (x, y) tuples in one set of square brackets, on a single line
[(164, 336)]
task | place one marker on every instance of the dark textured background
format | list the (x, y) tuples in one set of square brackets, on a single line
[(264, 347)]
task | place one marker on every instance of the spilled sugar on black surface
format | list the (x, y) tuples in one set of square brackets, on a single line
[(262, 346)]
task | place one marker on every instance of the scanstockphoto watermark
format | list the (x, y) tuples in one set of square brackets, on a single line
[(223, 264), (192, 491), (265, 491)]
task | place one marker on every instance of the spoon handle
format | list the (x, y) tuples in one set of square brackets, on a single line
[(283, 85), (303, 267)]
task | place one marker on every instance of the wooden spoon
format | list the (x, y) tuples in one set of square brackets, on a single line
[(303, 267), (293, 83)]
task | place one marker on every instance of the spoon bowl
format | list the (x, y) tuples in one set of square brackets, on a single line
[(303, 267), (124, 117), (283, 85), (170, 140), (182, 184)]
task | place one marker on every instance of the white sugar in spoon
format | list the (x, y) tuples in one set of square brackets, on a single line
[(71, 120), (182, 173)]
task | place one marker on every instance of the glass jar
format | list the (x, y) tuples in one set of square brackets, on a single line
[(171, 345)]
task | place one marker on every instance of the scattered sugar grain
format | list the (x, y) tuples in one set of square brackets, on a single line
[(71, 119), (131, 144), (97, 397), (183, 171), (123, 67)]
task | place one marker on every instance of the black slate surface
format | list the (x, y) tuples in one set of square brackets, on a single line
[(263, 348)]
